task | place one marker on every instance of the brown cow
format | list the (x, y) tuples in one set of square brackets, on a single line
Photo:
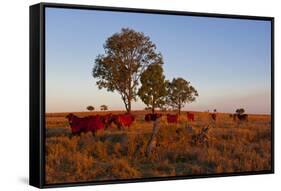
[(172, 118), (107, 120), (152, 116), (84, 124), (123, 120), (190, 116)]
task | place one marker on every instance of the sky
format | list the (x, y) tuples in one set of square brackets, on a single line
[(228, 61)]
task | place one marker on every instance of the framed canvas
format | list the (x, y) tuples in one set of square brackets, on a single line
[(123, 95)]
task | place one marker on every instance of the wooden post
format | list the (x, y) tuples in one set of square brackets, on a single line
[(152, 142)]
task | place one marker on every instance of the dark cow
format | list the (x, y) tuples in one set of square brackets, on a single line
[(190, 116), (152, 116), (242, 117), (123, 120), (84, 124), (213, 116), (172, 118), (107, 120)]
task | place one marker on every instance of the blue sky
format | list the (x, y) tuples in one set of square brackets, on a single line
[(227, 60)]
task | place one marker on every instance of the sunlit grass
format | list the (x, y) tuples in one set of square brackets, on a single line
[(115, 154)]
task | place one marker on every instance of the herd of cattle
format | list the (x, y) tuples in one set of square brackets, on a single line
[(96, 122)]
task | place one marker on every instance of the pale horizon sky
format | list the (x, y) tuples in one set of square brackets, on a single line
[(227, 60)]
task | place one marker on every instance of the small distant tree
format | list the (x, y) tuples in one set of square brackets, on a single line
[(153, 88), (90, 108), (103, 107), (240, 111), (180, 92)]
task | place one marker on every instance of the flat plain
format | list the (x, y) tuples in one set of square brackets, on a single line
[(112, 154)]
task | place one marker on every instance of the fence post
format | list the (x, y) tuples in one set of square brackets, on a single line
[(152, 142)]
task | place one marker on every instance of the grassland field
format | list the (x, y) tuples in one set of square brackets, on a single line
[(120, 154)]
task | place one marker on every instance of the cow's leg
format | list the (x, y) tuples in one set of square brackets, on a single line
[(120, 126), (77, 134), (108, 124), (105, 126), (94, 133)]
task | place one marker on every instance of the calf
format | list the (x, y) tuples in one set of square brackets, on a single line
[(172, 118), (85, 124), (190, 116), (152, 116)]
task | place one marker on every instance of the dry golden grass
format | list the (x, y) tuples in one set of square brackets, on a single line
[(113, 154)]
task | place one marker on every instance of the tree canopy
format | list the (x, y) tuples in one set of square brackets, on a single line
[(103, 107), (240, 111), (153, 88), (127, 55), (180, 92), (90, 108)]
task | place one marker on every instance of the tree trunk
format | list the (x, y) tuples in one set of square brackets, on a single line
[(153, 105), (129, 106), (124, 98), (130, 88), (179, 109)]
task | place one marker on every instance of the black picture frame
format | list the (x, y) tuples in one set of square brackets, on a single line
[(37, 93)]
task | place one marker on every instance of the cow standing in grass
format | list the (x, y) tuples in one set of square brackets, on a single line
[(190, 116), (152, 116), (242, 117), (84, 124), (240, 114), (107, 120), (172, 118), (123, 120)]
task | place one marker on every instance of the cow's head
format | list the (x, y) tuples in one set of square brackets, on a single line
[(70, 117)]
